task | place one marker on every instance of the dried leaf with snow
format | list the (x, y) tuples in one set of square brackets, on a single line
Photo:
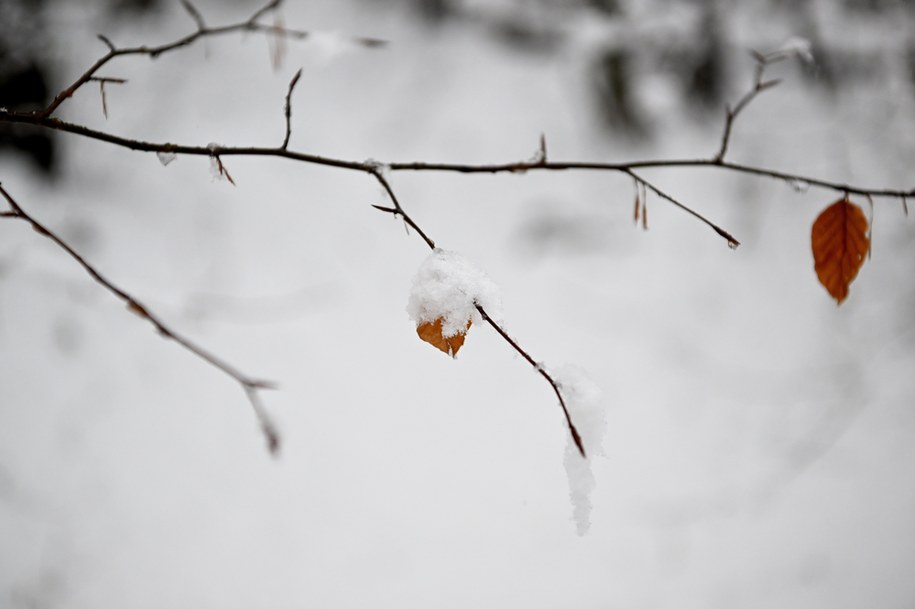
[(431, 332), (443, 300)]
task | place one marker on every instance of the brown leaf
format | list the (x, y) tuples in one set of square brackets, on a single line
[(840, 244), (431, 332)]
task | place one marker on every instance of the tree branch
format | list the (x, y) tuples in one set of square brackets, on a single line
[(250, 385), (759, 85), (732, 242), (398, 210), (251, 25)]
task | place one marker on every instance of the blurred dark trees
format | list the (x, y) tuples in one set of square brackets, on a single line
[(699, 52), (27, 77)]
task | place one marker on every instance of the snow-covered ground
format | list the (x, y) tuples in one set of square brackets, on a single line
[(760, 443)]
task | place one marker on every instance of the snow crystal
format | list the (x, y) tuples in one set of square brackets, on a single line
[(582, 398), (798, 47), (166, 157), (448, 286)]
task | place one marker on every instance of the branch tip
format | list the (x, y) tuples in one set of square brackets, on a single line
[(250, 386), (107, 42), (288, 108)]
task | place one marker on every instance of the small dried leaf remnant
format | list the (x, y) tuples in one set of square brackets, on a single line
[(840, 243), (431, 332)]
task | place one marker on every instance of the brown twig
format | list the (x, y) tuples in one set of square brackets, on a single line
[(398, 210), (515, 167), (288, 108), (732, 242), (250, 385), (759, 85), (101, 80), (546, 375)]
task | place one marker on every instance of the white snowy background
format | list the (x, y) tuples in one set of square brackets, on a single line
[(760, 446)]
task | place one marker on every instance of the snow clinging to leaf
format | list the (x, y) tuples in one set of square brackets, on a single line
[(447, 286)]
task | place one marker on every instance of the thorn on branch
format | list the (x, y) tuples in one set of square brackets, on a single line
[(101, 88), (107, 42), (218, 169), (376, 171)]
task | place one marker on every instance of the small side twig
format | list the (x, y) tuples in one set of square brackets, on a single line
[(250, 385), (288, 108), (732, 242), (101, 80), (107, 42), (248, 25), (398, 210), (759, 85), (195, 14)]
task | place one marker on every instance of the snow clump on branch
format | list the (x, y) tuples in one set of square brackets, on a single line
[(447, 286)]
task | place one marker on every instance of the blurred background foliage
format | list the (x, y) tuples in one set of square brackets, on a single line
[(692, 49)]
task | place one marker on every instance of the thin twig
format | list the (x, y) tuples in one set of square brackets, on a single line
[(398, 210), (562, 403), (516, 167), (107, 42), (732, 242), (102, 81), (250, 385), (195, 14), (762, 61), (249, 25), (292, 84)]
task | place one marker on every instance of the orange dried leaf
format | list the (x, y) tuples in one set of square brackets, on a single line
[(431, 332), (840, 244)]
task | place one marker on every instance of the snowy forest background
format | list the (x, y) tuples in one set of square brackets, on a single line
[(759, 449)]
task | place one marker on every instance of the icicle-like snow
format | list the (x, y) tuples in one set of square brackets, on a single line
[(588, 414)]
